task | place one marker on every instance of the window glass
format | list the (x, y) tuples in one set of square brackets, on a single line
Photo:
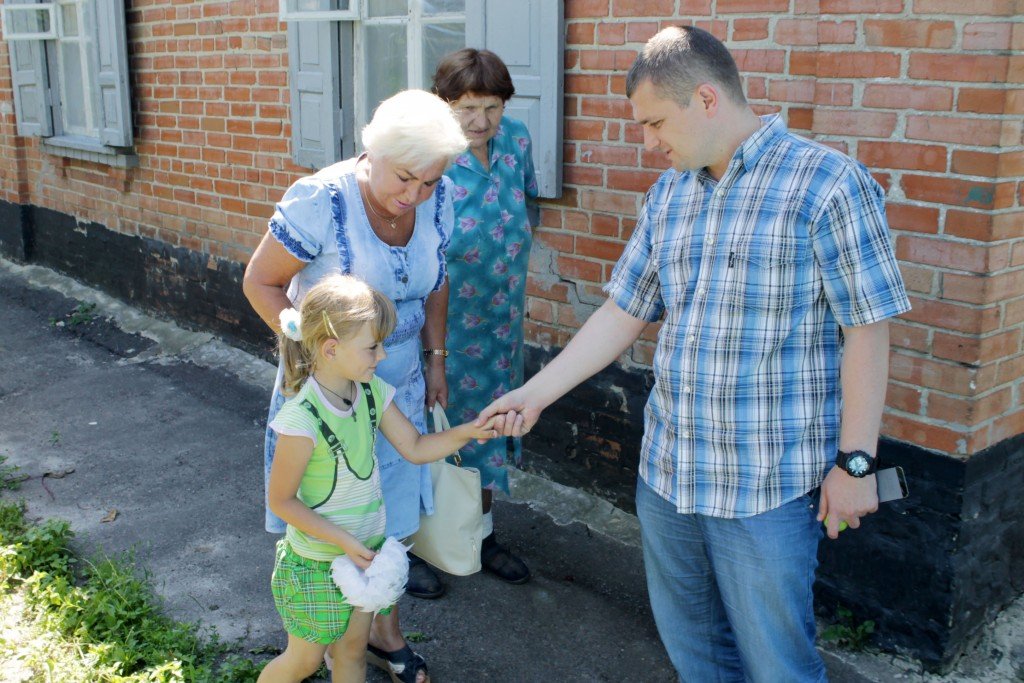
[(387, 8), (401, 42), (431, 7), (439, 40), (317, 5), (27, 21), (76, 107), (385, 69)]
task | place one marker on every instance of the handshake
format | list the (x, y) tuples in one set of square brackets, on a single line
[(513, 414)]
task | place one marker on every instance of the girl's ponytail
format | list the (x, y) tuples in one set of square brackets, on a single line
[(297, 365)]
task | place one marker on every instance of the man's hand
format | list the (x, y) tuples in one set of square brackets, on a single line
[(846, 499), (517, 407)]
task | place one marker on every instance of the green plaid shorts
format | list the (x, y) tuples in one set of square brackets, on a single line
[(309, 602)]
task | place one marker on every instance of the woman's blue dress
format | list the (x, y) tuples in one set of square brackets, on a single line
[(321, 220)]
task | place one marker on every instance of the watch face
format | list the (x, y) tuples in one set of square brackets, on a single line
[(858, 465)]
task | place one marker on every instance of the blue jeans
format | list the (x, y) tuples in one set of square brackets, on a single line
[(732, 597)]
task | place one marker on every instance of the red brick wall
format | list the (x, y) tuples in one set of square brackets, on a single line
[(928, 93), (210, 99)]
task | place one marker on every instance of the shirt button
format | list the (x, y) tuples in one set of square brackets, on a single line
[(686, 390), (710, 240), (686, 435), (720, 192), (702, 291), (692, 338), (405, 278)]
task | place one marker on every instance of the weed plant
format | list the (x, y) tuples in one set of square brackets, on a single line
[(847, 632), (100, 624)]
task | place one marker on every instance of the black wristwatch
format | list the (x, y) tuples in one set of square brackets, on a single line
[(856, 463)]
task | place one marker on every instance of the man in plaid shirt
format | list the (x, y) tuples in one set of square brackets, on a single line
[(769, 257)]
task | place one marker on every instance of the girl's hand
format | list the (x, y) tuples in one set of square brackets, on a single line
[(360, 555), (489, 430)]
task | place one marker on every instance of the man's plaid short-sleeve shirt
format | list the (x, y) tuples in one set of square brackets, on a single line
[(755, 273)]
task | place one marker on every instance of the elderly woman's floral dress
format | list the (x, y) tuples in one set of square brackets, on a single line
[(487, 261)]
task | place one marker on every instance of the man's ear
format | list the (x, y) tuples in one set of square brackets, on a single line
[(708, 96)]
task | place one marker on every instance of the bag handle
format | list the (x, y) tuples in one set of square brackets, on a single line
[(441, 424)]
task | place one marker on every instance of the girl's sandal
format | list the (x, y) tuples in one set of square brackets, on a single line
[(403, 665)]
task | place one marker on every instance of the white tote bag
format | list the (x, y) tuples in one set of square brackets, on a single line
[(450, 538)]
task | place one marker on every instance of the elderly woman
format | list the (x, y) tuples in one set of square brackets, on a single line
[(386, 217), (487, 261)]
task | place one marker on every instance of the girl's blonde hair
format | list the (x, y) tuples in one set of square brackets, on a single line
[(336, 308)]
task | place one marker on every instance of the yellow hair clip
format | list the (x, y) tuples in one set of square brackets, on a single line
[(328, 325)]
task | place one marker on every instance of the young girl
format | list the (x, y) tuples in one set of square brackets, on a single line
[(324, 481)]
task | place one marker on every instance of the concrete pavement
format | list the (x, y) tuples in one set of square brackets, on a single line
[(163, 428)]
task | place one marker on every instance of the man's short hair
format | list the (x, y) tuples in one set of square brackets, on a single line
[(678, 59)]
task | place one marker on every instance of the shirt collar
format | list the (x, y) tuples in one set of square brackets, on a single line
[(754, 147), (750, 150)]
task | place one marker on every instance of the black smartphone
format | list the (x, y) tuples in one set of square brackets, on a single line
[(892, 484)]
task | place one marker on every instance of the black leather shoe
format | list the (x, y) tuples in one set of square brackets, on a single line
[(423, 581), (497, 560)]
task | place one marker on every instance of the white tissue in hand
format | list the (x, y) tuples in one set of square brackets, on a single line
[(381, 584)]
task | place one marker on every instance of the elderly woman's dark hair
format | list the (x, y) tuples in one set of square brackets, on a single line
[(469, 70)]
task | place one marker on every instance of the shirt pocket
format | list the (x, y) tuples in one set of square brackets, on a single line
[(772, 276), (677, 261)]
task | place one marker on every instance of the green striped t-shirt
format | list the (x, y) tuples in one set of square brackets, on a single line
[(341, 483)]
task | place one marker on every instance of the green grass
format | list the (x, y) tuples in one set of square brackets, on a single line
[(10, 478), (72, 620)]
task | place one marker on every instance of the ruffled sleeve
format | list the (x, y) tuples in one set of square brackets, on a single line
[(303, 219), (444, 223)]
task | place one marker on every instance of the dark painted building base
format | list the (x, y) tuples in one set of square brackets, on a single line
[(930, 570), (193, 289)]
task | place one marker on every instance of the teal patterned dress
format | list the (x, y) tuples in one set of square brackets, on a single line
[(487, 260)]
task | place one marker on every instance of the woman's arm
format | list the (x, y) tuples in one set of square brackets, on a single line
[(423, 448), (266, 279), (435, 329), (290, 460)]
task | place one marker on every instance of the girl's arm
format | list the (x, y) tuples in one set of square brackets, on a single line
[(422, 448), (290, 460)]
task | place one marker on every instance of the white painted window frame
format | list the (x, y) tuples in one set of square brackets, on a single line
[(50, 8), (286, 14)]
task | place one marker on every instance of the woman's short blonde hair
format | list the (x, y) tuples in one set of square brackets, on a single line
[(414, 129)]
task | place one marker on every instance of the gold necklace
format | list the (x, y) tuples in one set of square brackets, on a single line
[(369, 204)]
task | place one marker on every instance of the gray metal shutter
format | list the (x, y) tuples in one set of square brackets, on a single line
[(114, 91), (313, 81), (32, 110), (529, 37)]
